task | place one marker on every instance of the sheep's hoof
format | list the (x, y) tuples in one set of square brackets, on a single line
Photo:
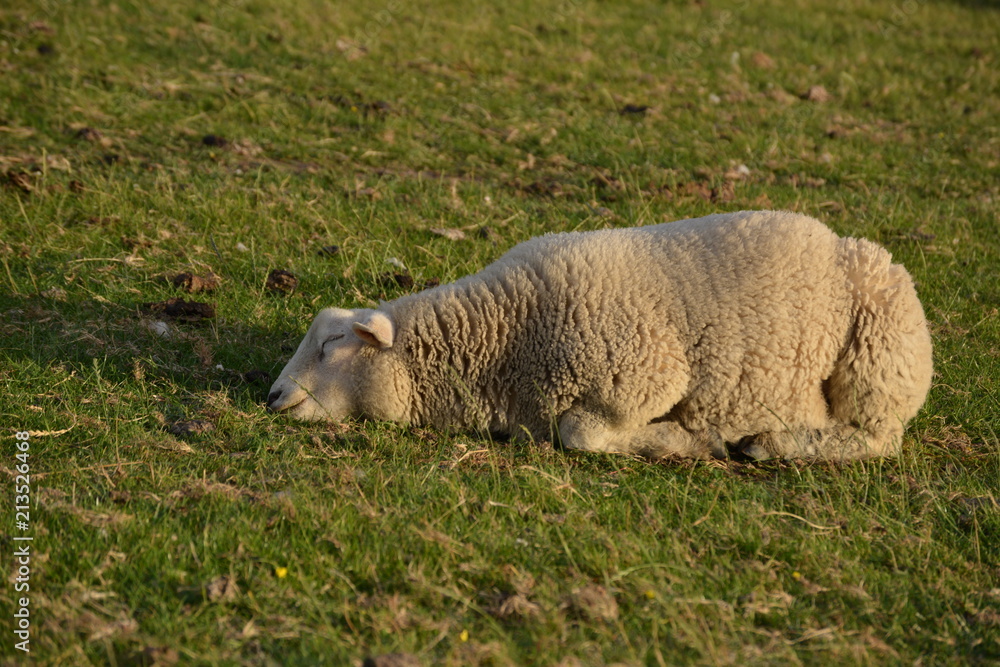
[(755, 452), (755, 447), (717, 446)]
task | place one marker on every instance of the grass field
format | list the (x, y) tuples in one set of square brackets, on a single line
[(175, 521)]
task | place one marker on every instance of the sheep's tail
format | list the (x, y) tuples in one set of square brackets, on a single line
[(884, 372)]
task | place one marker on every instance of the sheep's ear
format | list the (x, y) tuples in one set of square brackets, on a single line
[(377, 331)]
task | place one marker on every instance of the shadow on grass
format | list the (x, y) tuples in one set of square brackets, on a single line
[(128, 348)]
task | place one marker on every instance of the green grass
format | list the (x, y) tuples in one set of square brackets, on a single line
[(368, 128)]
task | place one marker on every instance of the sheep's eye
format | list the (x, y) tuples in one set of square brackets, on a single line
[(330, 340)]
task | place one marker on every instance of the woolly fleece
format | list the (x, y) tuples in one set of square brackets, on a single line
[(760, 331)]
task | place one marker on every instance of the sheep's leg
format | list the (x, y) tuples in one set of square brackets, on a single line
[(583, 430), (836, 443)]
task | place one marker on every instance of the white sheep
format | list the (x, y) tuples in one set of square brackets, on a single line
[(759, 330)]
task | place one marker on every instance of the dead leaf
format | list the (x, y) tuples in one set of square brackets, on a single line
[(176, 446), (737, 173), (54, 293), (816, 94), (449, 233), (158, 655), (280, 280), (222, 589), (781, 96), (797, 180), (392, 660), (21, 180), (761, 603), (41, 26), (191, 427), (180, 309), (593, 603), (351, 49), (50, 499), (697, 189), (514, 605), (246, 148), (193, 284), (120, 626), (59, 163), (527, 164), (724, 193), (18, 132), (89, 134), (762, 60)]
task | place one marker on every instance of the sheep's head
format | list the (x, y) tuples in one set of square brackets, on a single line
[(344, 366)]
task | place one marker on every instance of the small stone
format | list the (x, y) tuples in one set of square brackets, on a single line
[(329, 250), (160, 328)]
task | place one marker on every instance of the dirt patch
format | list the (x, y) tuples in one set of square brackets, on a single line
[(191, 427), (199, 489), (179, 309), (634, 109), (193, 284), (53, 501), (511, 606), (21, 180), (393, 660), (157, 655), (214, 141), (222, 589), (816, 94), (282, 281), (592, 603)]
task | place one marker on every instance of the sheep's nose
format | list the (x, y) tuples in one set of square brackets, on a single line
[(273, 397)]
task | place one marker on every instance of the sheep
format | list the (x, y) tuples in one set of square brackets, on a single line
[(759, 332)]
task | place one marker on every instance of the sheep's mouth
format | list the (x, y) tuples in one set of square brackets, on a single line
[(285, 408)]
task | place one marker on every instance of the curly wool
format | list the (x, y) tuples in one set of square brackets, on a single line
[(758, 328)]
